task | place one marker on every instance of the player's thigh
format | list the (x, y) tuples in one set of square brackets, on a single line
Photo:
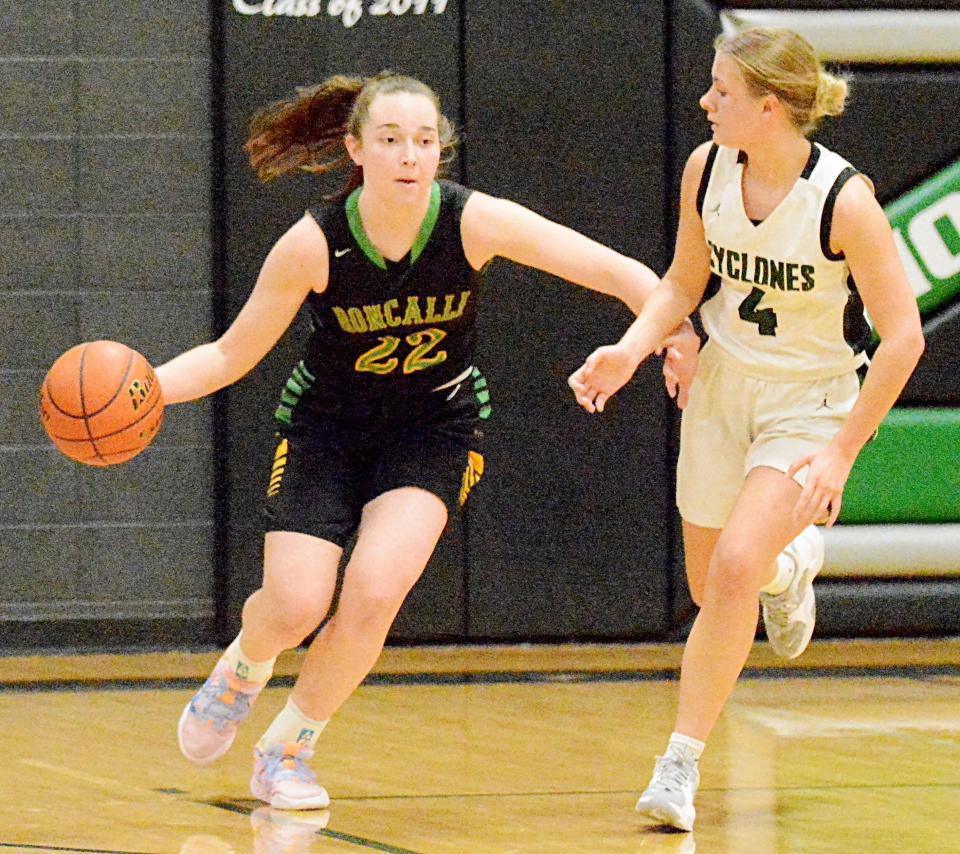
[(760, 526), (312, 505), (398, 533)]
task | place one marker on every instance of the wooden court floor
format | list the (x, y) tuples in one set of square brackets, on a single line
[(515, 749)]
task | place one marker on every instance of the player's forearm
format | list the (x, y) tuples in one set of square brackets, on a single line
[(891, 367), (196, 373), (665, 307), (618, 276), (632, 283)]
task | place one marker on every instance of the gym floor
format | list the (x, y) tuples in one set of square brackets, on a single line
[(497, 749)]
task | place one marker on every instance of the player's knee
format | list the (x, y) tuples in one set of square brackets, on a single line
[(732, 573), (374, 603), (294, 618)]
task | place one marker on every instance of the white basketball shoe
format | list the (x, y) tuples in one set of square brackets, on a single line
[(669, 797), (790, 616)]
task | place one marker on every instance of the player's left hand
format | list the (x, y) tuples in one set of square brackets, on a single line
[(682, 357), (822, 495)]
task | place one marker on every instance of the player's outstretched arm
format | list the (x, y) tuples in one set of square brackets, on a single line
[(609, 368), (494, 227), (297, 264)]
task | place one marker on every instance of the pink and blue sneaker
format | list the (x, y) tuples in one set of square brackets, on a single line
[(209, 722), (282, 778)]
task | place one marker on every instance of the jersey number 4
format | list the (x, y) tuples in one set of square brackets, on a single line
[(765, 318), (380, 359)]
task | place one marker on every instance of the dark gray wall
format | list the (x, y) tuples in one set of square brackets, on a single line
[(104, 233), (128, 212), (577, 508)]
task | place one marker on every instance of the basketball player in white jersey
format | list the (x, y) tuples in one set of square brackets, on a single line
[(776, 416)]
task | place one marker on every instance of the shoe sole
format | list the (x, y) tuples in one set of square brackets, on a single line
[(664, 815), (200, 760), (278, 802)]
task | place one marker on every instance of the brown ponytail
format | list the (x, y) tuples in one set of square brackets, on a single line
[(306, 132)]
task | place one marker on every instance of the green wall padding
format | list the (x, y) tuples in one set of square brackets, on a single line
[(910, 472)]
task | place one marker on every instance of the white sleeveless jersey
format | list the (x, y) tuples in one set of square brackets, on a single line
[(786, 307)]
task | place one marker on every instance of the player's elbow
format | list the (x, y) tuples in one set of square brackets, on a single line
[(908, 342), (912, 341), (916, 344), (230, 362), (682, 297)]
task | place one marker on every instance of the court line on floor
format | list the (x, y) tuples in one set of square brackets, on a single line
[(791, 724), (239, 807), (536, 677), (21, 846), (604, 792)]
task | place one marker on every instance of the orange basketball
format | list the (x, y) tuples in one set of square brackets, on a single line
[(100, 403)]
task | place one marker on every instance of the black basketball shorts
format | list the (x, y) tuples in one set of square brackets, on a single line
[(321, 476)]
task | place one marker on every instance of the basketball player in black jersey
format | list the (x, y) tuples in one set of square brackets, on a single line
[(379, 419)]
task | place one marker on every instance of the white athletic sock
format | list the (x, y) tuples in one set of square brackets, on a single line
[(784, 568), (685, 746), (292, 725), (245, 668)]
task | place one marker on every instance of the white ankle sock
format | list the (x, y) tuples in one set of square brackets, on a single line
[(245, 668), (784, 568), (292, 725), (689, 747)]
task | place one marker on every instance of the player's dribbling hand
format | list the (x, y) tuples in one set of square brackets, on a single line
[(680, 363), (820, 501), (606, 370)]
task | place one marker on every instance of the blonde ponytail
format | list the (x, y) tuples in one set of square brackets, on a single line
[(831, 95), (780, 62)]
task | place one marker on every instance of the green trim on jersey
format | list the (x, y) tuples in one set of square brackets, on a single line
[(426, 227), (481, 393), (300, 380)]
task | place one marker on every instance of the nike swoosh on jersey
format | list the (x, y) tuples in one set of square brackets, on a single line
[(339, 253)]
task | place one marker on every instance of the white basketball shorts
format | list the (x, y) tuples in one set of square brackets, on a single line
[(735, 422)]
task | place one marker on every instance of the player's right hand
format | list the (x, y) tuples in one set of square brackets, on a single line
[(606, 370)]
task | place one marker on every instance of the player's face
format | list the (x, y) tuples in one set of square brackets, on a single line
[(399, 146), (734, 113)]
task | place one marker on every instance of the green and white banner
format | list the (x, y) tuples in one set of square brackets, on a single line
[(926, 227)]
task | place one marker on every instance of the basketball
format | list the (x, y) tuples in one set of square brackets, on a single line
[(100, 403)]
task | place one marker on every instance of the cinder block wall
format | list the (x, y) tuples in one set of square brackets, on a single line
[(105, 176), (107, 190)]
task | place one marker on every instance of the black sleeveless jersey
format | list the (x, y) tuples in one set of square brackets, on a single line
[(388, 338)]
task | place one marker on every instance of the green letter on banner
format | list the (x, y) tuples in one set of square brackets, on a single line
[(926, 227)]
